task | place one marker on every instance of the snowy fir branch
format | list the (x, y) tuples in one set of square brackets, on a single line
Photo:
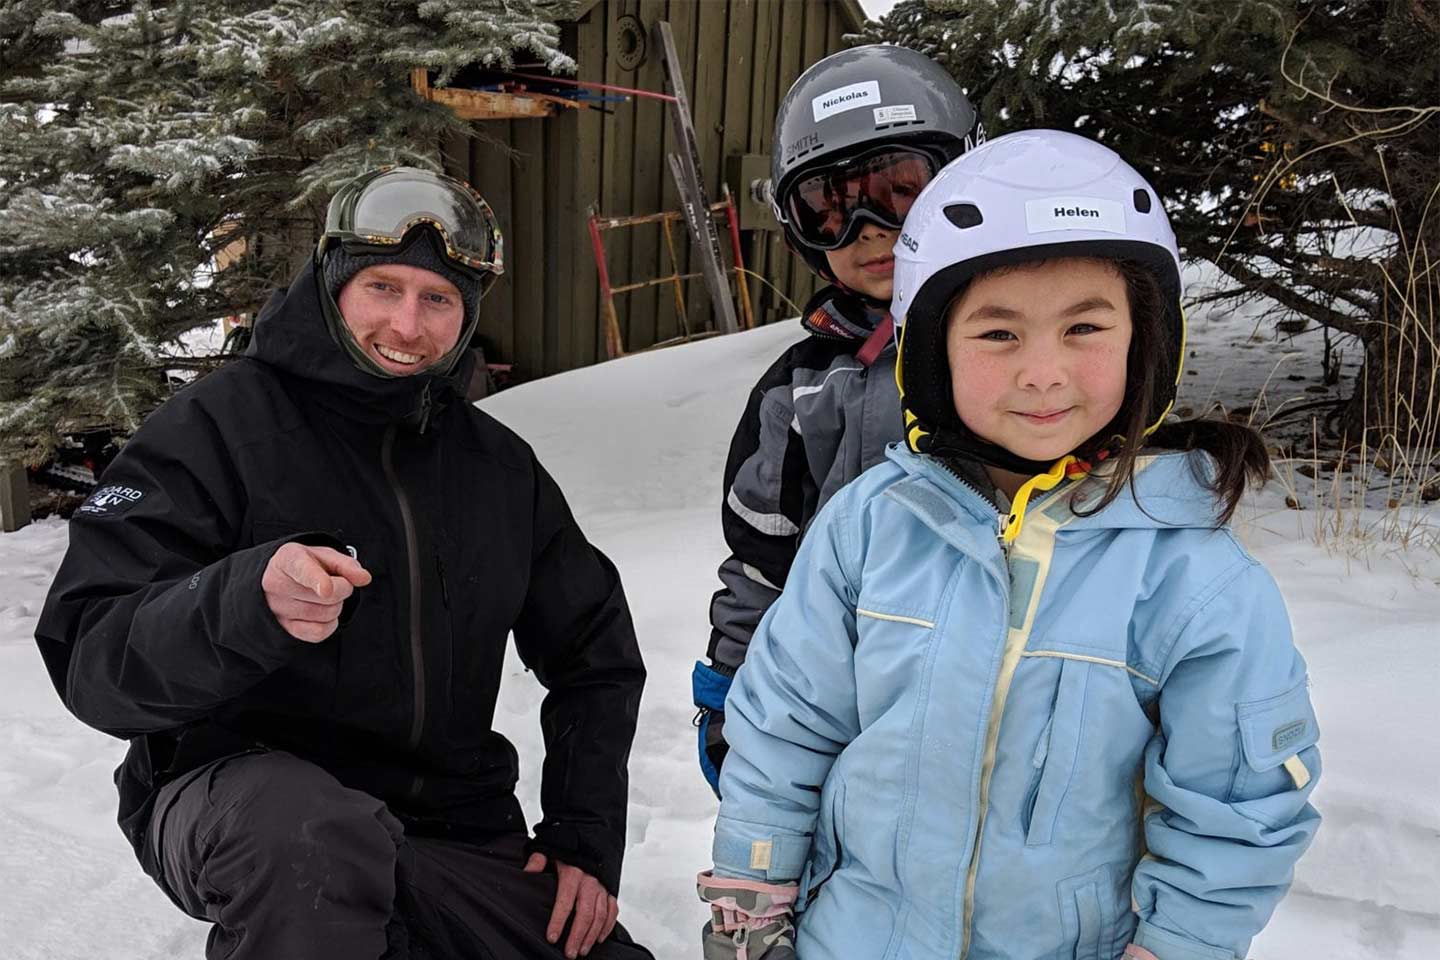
[(137, 140)]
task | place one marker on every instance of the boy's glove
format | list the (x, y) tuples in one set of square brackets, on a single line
[(749, 920), (709, 687)]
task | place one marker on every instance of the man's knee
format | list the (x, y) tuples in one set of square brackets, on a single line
[(287, 818), (263, 830)]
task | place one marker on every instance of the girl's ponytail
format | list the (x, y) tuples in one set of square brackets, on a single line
[(1238, 451)]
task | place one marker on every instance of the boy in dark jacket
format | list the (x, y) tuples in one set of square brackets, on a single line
[(292, 591), (856, 138)]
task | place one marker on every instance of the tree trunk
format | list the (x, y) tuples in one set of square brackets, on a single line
[(1396, 404), (14, 497)]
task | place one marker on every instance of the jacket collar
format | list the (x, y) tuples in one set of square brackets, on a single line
[(1168, 492), (835, 312)]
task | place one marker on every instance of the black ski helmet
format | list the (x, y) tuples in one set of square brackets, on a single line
[(859, 99)]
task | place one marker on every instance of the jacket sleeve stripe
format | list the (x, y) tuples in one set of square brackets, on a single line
[(770, 524)]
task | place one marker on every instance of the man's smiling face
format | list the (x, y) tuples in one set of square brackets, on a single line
[(405, 318)]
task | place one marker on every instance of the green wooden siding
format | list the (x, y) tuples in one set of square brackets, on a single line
[(542, 176)]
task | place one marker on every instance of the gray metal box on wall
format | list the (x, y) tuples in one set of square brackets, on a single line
[(746, 173)]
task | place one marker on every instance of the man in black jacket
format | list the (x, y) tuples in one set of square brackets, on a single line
[(291, 592)]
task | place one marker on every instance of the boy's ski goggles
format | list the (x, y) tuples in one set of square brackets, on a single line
[(826, 206), (376, 210)]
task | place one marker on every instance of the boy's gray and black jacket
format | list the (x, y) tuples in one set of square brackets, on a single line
[(156, 629), (820, 416)]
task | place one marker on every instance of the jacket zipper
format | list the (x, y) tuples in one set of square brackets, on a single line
[(412, 557), (967, 905), (1012, 651)]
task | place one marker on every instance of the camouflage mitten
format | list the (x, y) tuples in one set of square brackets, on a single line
[(749, 920), (1133, 952)]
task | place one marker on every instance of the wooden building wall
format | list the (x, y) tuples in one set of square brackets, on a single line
[(541, 176)]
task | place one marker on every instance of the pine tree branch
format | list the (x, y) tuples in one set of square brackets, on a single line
[(1272, 287)]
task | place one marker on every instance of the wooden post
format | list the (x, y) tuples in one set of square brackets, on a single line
[(14, 497)]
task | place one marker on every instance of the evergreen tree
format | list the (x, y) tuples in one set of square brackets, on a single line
[(139, 140), (1294, 141)]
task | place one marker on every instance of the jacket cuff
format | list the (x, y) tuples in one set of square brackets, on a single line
[(571, 845), (709, 686), (778, 858), (1170, 946), (258, 634)]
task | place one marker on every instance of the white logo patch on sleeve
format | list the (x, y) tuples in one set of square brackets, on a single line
[(110, 500), (895, 114), (831, 102), (1074, 213)]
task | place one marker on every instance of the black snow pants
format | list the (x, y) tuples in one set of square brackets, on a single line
[(287, 862)]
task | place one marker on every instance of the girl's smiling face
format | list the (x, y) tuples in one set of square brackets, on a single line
[(1038, 354)]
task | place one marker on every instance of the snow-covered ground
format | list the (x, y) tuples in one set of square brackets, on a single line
[(639, 445)]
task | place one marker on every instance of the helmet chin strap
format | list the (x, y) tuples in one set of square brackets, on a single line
[(955, 440), (1043, 475)]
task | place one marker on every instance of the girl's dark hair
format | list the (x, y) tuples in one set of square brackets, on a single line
[(1238, 451)]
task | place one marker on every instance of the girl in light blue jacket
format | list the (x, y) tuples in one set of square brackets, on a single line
[(1024, 697)]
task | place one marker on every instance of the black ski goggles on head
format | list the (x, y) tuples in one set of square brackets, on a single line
[(827, 205), (377, 209)]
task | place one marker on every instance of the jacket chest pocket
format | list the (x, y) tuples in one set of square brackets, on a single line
[(1056, 752), (1086, 763)]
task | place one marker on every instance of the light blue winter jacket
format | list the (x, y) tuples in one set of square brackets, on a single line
[(915, 689)]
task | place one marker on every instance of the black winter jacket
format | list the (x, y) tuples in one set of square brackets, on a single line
[(156, 628), (819, 417)]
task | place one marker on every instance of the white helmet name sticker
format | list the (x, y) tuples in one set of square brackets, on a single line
[(1074, 213), (895, 114), (840, 99)]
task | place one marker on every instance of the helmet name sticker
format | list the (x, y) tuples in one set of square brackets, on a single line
[(895, 114), (841, 99), (1074, 213)]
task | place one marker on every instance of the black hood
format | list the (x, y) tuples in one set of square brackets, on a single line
[(291, 335)]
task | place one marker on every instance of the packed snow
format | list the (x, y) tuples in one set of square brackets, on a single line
[(638, 445)]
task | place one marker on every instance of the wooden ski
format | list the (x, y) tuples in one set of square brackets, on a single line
[(685, 167)]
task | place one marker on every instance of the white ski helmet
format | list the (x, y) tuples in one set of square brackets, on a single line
[(1022, 197)]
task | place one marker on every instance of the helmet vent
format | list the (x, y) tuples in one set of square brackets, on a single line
[(964, 215), (900, 123), (1142, 200), (806, 152)]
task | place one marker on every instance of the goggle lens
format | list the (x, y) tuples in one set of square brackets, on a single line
[(823, 204)]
